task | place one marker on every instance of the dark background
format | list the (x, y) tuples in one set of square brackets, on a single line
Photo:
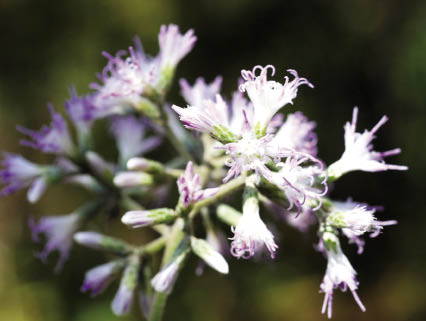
[(368, 53)]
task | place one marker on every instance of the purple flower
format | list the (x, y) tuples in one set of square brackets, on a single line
[(123, 299), (200, 91), (59, 231), (99, 278), (19, 173), (359, 153), (129, 132), (339, 274), (54, 139), (297, 133), (269, 96), (174, 45), (190, 188), (165, 279), (125, 79), (81, 111)]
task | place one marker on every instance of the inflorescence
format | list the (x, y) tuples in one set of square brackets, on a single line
[(244, 143)]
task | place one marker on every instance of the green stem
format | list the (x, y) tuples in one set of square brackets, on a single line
[(160, 298), (224, 190), (153, 246)]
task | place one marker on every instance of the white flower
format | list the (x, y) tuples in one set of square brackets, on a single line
[(211, 117), (339, 274), (251, 234), (359, 153), (300, 184), (174, 45), (269, 96)]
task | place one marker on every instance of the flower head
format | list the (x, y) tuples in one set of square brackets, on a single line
[(339, 274), (200, 91), (359, 153), (129, 133), (251, 234), (124, 80), (190, 187), (174, 45), (250, 153), (211, 117), (297, 133), (19, 173), (54, 139), (269, 96), (301, 183), (98, 278), (81, 111), (59, 231)]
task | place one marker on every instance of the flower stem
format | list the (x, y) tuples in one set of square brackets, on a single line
[(224, 190), (160, 298)]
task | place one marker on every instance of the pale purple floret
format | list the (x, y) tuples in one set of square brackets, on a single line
[(174, 45), (339, 274), (200, 91), (357, 219), (251, 235), (124, 80), (190, 187), (129, 132), (269, 96), (301, 183), (99, 278), (82, 111), (19, 173), (359, 153), (59, 231), (205, 117), (165, 279), (297, 133), (54, 139), (123, 300)]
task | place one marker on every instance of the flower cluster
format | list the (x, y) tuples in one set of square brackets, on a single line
[(248, 141)]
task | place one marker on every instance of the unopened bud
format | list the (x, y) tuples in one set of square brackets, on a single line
[(206, 252), (133, 179), (102, 242), (148, 217)]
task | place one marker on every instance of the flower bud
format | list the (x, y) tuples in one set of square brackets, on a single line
[(146, 165), (102, 242), (206, 252), (164, 280), (124, 297), (133, 179), (98, 278), (149, 217)]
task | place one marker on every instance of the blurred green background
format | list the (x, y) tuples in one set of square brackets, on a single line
[(368, 53)]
